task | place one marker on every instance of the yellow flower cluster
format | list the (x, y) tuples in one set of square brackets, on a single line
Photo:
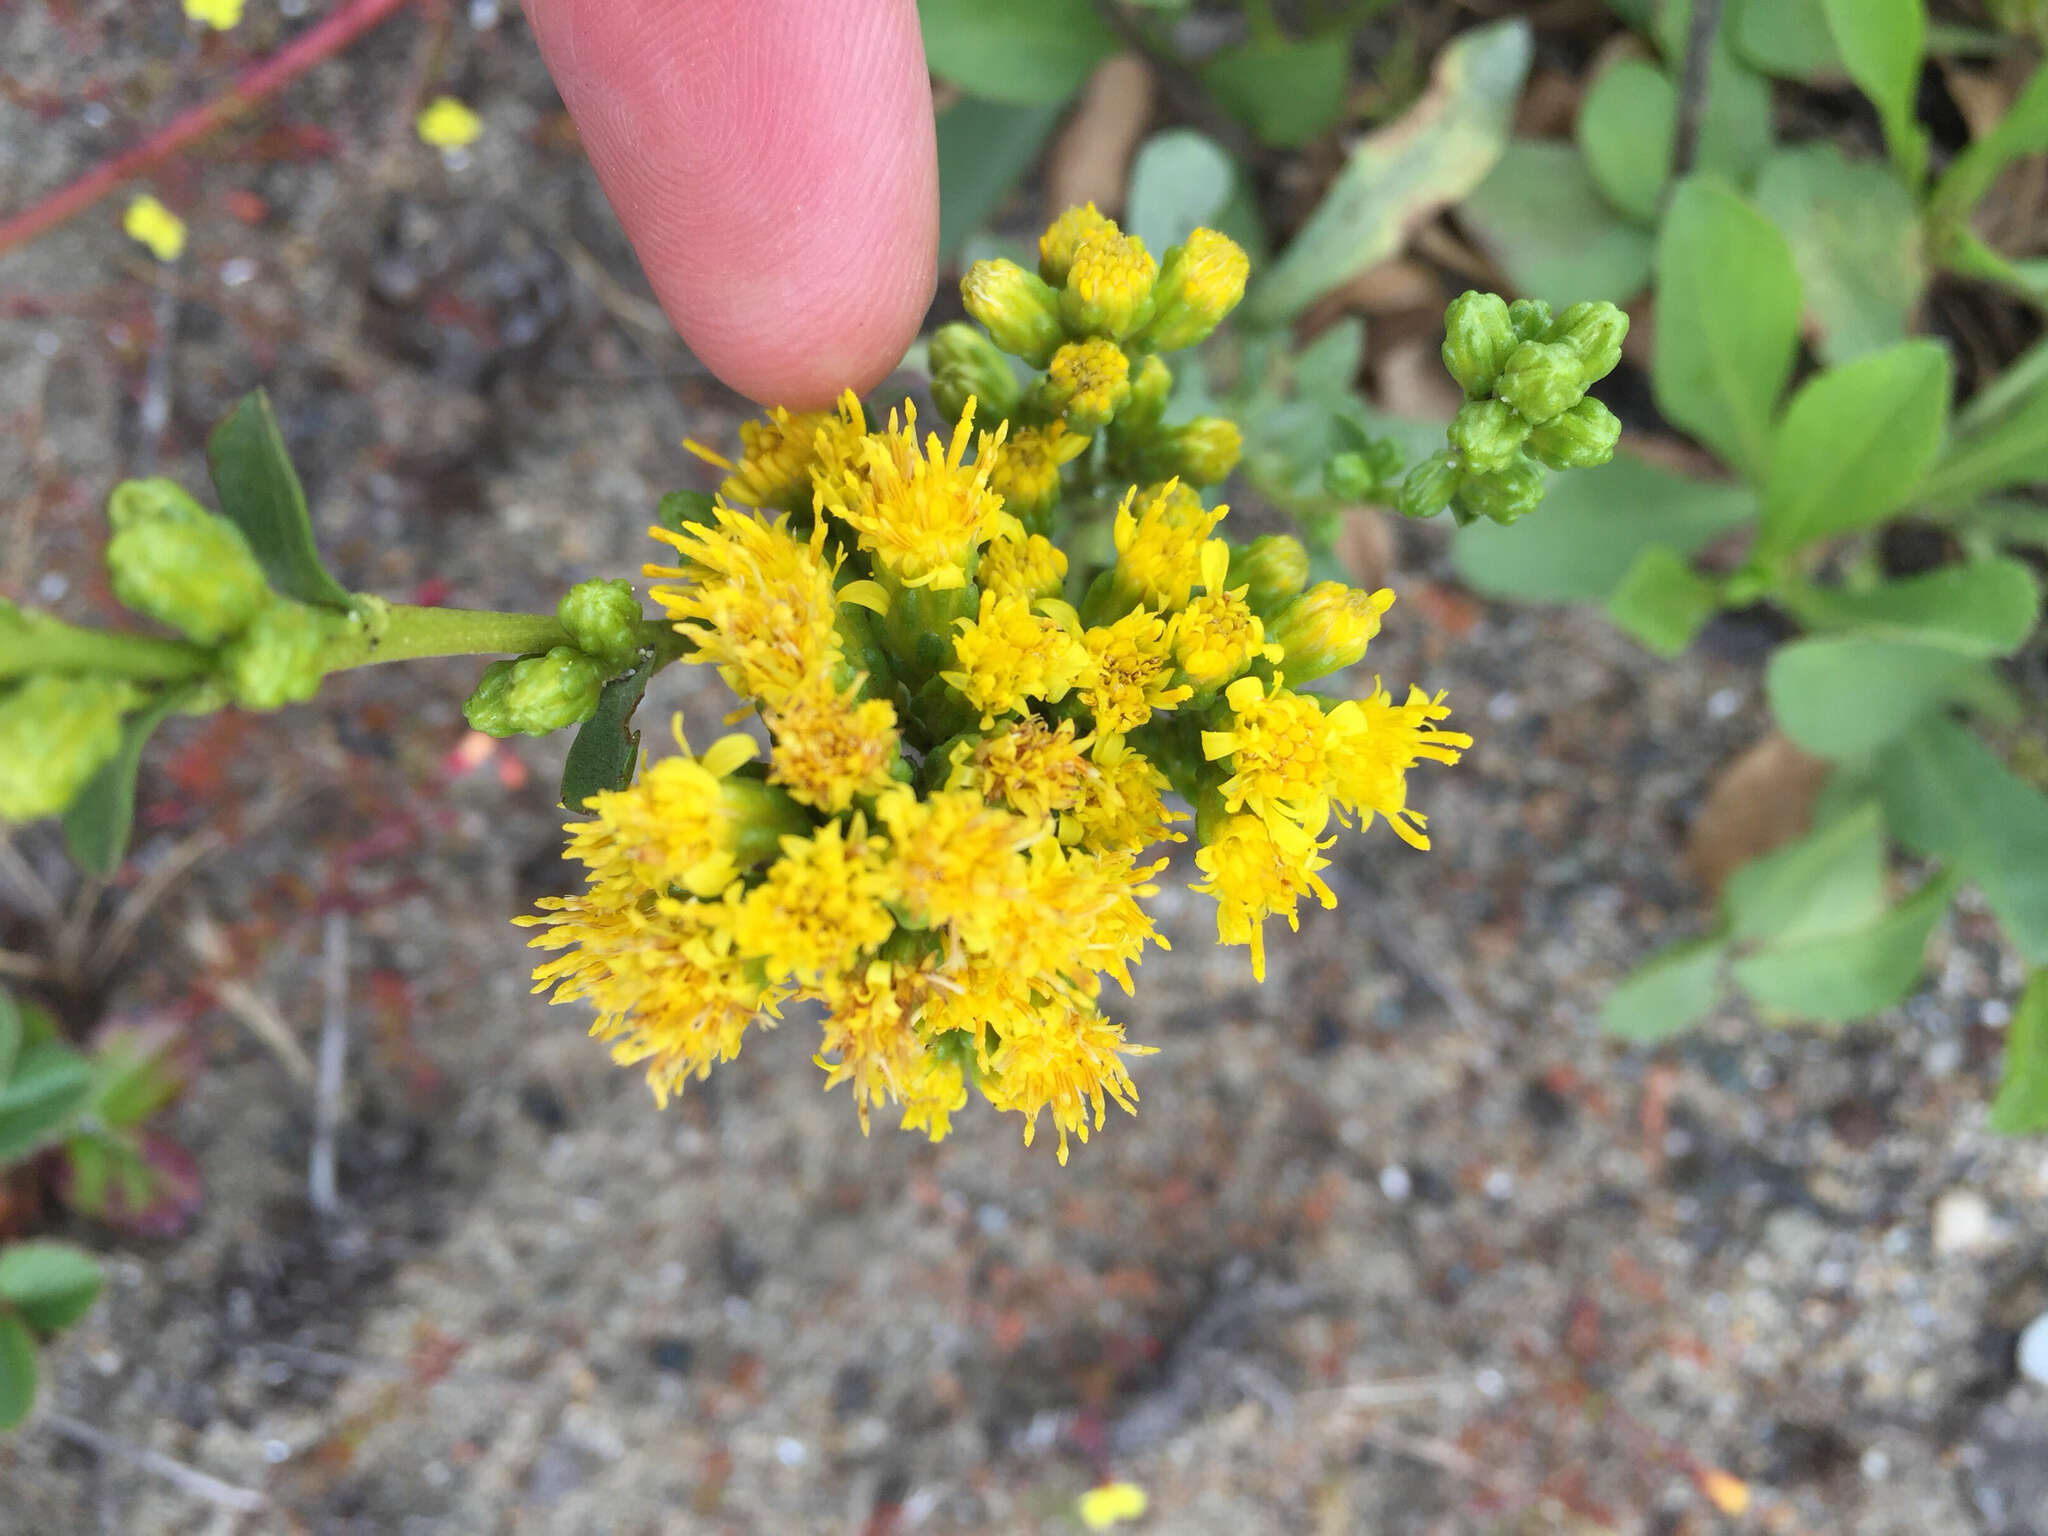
[(975, 742)]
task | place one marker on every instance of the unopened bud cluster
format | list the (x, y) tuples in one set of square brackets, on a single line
[(557, 688)]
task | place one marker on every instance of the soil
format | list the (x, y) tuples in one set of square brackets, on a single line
[(1398, 1242)]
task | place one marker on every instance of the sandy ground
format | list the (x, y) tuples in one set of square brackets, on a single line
[(1396, 1244)]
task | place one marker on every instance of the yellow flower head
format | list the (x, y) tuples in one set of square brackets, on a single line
[(1372, 745), (922, 516), (1089, 380), (776, 455), (1030, 766), (933, 1089), (1057, 245), (1216, 636), (1124, 805), (1108, 290), (666, 985), (221, 15), (870, 1036), (821, 906), (831, 746), (445, 124), (1029, 568), (1009, 655), (1026, 473), (1130, 672), (957, 859), (151, 225), (1328, 627), (1277, 745), (1256, 870), (1159, 545), (1079, 914), (1066, 1062), (1199, 284), (686, 822), (757, 600)]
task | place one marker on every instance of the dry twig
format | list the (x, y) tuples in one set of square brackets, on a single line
[(201, 1485)]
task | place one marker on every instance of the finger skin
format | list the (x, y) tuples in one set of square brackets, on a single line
[(774, 165)]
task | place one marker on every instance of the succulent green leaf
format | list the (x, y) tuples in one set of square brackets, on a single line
[(1671, 993), (1841, 976), (52, 1285), (606, 748), (2021, 1108), (97, 825), (1026, 55), (1845, 696), (1663, 601), (1543, 219), (49, 1086), (1856, 240), (17, 1370), (260, 493)]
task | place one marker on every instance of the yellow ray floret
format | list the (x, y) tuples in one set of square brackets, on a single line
[(831, 746), (922, 516), (1372, 743), (1009, 655), (1277, 746), (686, 822), (1256, 871), (1068, 1063), (1130, 672), (821, 906)]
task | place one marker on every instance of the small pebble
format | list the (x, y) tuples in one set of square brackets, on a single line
[(1491, 1383), (1500, 1184), (1502, 707), (1722, 703), (275, 1451), (1876, 1465), (236, 271), (1995, 1013), (2033, 1350), (1395, 1183), (1962, 1223), (790, 1451)]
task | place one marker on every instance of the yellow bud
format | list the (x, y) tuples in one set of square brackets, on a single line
[(1198, 285), (1087, 383), (1021, 314), (1326, 628), (1056, 245), (1109, 286)]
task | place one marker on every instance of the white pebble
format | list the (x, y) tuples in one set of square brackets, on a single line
[(1876, 1465), (1502, 707), (1395, 1183), (1500, 1184), (1491, 1383), (275, 1451), (790, 1451), (2033, 1350), (1962, 1222), (1996, 1013), (236, 271), (1722, 703)]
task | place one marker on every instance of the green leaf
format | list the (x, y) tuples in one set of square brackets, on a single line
[(1856, 242), (2021, 1108), (1540, 216), (1286, 92), (1978, 608), (1787, 38), (1881, 42), (260, 493), (1439, 150), (1663, 601), (606, 748), (1854, 445), (1625, 130), (985, 148), (1829, 881), (1026, 55), (1947, 795), (1591, 528), (52, 1285), (1849, 975), (97, 825), (679, 507), (1844, 696), (136, 1072), (2022, 131), (1727, 322), (17, 1370), (1180, 181), (50, 1085), (2007, 451), (1674, 991), (10, 1033)]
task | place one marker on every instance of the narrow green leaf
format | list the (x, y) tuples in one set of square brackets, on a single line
[(1829, 881), (1673, 992), (1436, 153), (97, 825), (1856, 241), (1026, 55), (1839, 977), (49, 1086), (1946, 794), (606, 749), (260, 493), (2021, 1108), (10, 1033), (1854, 445), (1540, 216), (985, 148), (1845, 696), (52, 1285), (1625, 130), (1977, 608), (1663, 601), (1881, 43), (2006, 451), (17, 1370), (1285, 91), (2022, 131), (1591, 528), (1727, 322)]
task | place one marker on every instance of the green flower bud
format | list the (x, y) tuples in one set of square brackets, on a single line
[(1487, 435), (1326, 628), (1199, 283), (56, 732), (1505, 494), (486, 709), (1145, 409), (176, 562), (1199, 452), (545, 693), (1542, 379), (1478, 336), (1429, 486), (1595, 332), (1582, 438), (1530, 318), (603, 618), (1021, 313), (276, 659), (1108, 291), (1348, 477), (965, 364), (1273, 567)]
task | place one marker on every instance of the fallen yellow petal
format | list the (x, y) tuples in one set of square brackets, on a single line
[(448, 124), (221, 15), (1724, 1490), (149, 223), (1106, 1506)]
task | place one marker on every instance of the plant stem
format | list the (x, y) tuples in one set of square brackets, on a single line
[(402, 632), (37, 643)]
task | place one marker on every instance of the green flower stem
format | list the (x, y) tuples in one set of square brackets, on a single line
[(34, 642), (402, 632)]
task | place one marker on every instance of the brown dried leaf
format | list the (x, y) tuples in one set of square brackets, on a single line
[(1090, 161), (1760, 801)]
